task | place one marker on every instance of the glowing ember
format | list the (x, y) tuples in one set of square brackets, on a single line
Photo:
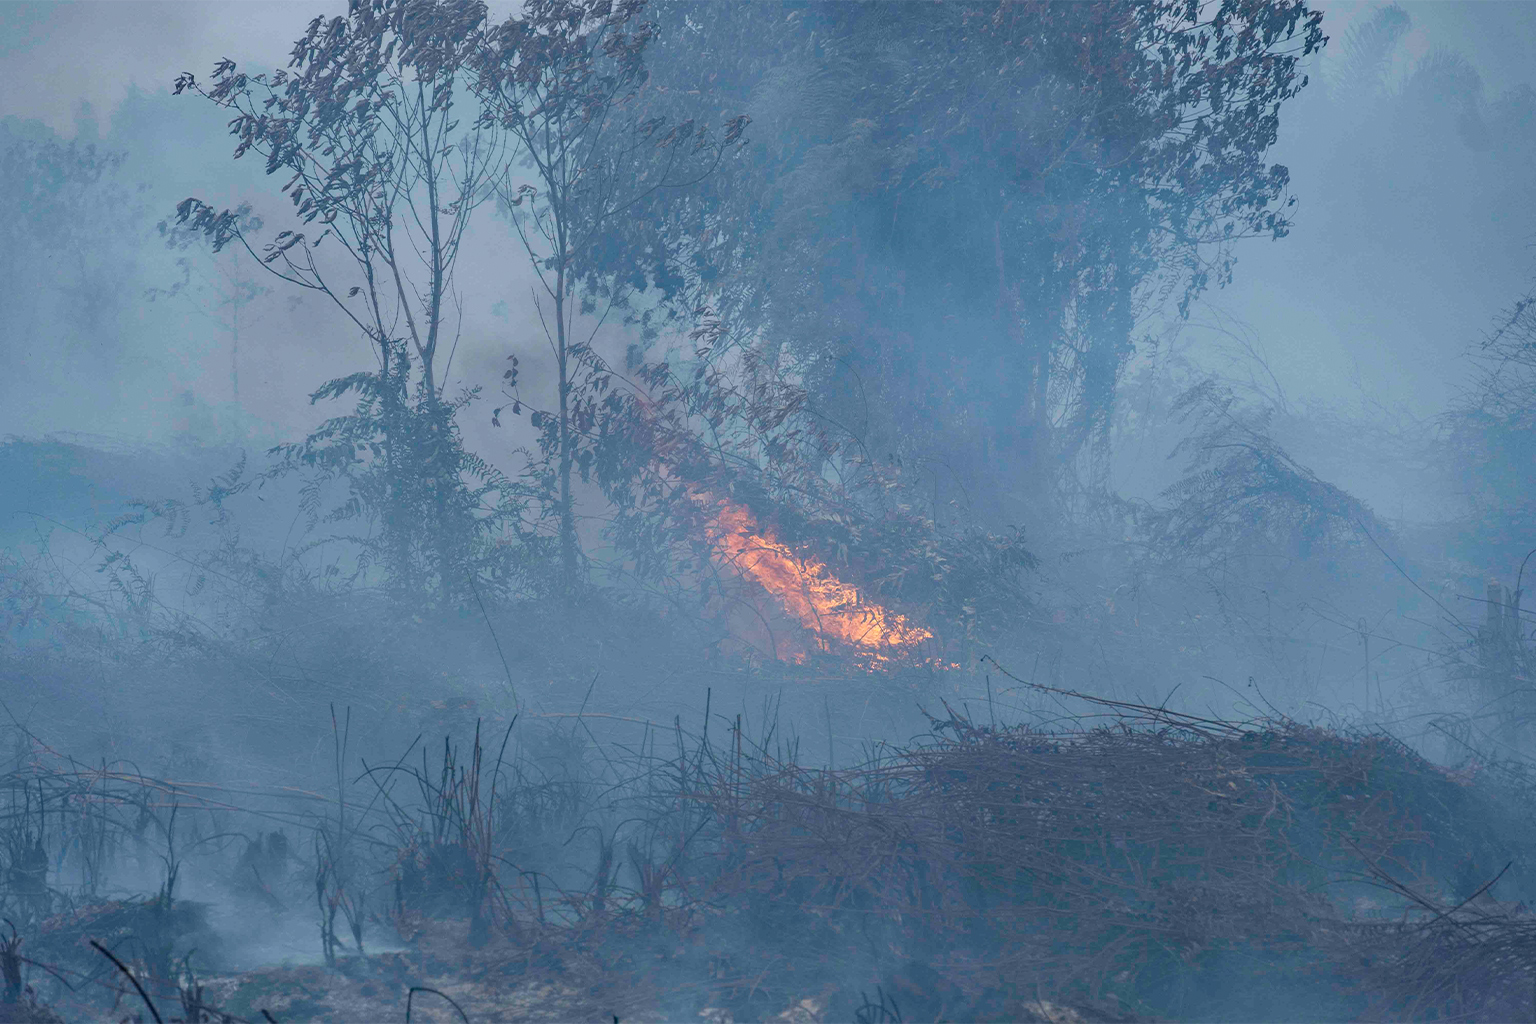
[(823, 604)]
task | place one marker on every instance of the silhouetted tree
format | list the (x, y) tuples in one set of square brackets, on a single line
[(379, 162), (222, 292), (66, 222), (1367, 52), (953, 216), (1491, 438), (561, 78)]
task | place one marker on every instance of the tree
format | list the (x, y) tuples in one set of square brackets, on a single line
[(1367, 52), (1491, 439), (67, 227), (227, 290), (562, 79), (955, 215), (378, 162), (1489, 446)]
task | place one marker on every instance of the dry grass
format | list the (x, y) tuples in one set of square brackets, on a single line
[(1133, 864)]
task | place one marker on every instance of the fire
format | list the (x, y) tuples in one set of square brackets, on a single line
[(826, 606)]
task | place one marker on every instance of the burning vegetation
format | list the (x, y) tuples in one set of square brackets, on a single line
[(834, 613)]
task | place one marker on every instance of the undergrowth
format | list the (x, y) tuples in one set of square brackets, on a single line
[(1135, 863)]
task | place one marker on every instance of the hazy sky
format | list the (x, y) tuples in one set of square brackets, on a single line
[(58, 54), (1355, 300)]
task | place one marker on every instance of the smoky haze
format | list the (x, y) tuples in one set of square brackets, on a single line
[(604, 496)]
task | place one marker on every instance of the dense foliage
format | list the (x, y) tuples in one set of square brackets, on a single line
[(950, 218)]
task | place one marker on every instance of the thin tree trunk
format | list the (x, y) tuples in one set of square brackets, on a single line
[(568, 561)]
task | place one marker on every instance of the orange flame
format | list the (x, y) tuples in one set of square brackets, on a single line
[(826, 606)]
